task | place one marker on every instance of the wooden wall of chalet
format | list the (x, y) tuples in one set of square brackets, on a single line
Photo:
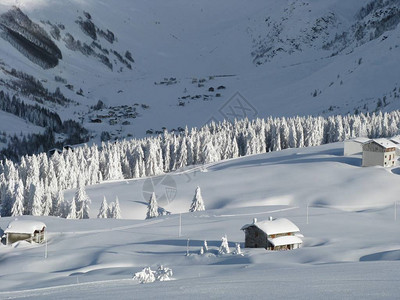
[(15, 237), (255, 238)]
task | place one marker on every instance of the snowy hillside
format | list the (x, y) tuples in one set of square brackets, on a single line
[(350, 239), (176, 64)]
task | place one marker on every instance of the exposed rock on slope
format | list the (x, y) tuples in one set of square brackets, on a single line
[(29, 38)]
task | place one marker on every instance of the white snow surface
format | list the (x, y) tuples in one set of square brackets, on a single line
[(350, 247)]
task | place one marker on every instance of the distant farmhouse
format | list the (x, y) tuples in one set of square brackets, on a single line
[(272, 234), (379, 152), (25, 230)]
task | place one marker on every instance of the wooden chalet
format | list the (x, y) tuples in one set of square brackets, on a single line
[(25, 230), (272, 234)]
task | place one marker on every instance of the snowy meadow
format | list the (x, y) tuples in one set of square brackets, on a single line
[(346, 214)]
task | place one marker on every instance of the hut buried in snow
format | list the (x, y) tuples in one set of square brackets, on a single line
[(25, 230), (272, 234)]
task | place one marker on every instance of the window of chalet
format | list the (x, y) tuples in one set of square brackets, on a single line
[(256, 234)]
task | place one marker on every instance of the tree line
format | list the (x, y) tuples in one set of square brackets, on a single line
[(170, 151)]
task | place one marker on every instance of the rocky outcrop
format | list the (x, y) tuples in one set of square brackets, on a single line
[(29, 38)]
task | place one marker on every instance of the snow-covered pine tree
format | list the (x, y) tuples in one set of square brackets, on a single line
[(110, 210), (152, 208), (224, 248), (37, 197), (18, 207), (145, 276), (47, 204), (205, 246), (197, 203), (237, 251), (62, 207), (117, 210), (82, 200), (72, 210), (103, 211), (58, 204), (163, 273)]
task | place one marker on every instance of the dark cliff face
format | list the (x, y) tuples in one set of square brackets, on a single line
[(29, 39)]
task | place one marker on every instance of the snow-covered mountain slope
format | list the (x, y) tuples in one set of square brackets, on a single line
[(160, 65), (350, 239)]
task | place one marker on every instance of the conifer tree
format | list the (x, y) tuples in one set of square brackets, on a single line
[(82, 201), (224, 248), (110, 211), (72, 210), (117, 210), (18, 207), (197, 203), (205, 246), (47, 204), (37, 209), (103, 211), (237, 251), (152, 208)]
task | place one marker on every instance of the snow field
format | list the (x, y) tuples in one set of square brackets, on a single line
[(350, 245)]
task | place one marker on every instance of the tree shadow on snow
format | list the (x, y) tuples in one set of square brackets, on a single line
[(290, 159)]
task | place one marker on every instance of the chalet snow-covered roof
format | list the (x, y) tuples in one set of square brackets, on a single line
[(384, 143), (274, 226), (285, 240), (24, 226)]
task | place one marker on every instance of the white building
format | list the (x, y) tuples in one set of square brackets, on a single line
[(272, 234), (396, 140), (354, 146), (25, 230), (379, 152)]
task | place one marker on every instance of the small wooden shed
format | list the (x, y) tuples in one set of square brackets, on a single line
[(25, 230), (272, 234)]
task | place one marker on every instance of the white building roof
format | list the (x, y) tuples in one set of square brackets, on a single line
[(285, 240), (384, 143), (274, 226), (24, 226), (360, 140), (396, 140)]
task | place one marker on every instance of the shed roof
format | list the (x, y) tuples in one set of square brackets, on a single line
[(285, 240), (275, 226), (24, 226)]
